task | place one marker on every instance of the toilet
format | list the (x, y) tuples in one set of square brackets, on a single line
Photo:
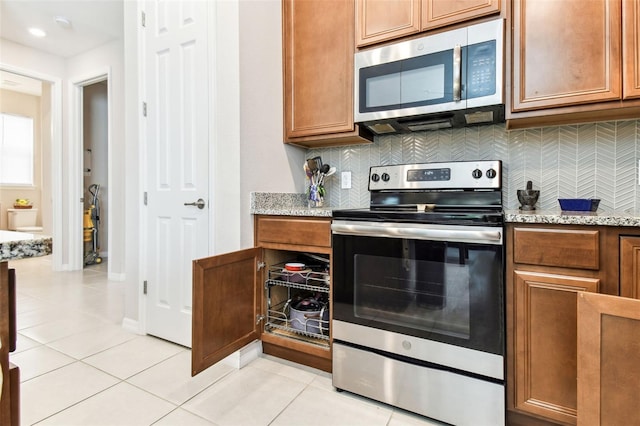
[(23, 220)]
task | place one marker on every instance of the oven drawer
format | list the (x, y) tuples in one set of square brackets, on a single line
[(565, 248), (443, 395)]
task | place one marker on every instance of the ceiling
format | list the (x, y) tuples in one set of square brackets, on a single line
[(91, 23)]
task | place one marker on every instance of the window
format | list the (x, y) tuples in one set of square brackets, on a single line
[(16, 150)]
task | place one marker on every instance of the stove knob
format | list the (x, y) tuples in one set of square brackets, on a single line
[(491, 173), (375, 177), (477, 174), (386, 177)]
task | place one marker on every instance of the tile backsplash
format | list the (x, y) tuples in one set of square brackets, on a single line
[(595, 160)]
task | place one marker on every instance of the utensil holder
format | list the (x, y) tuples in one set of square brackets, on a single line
[(316, 196)]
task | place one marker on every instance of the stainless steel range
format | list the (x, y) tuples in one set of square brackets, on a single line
[(418, 292)]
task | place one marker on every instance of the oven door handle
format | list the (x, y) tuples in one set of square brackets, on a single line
[(487, 236)]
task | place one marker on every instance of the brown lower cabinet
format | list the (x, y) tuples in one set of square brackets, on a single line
[(550, 268), (242, 296)]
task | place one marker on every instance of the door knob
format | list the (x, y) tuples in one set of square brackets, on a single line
[(199, 204)]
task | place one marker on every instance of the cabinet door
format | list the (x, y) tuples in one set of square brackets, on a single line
[(381, 20), (608, 367), (318, 51), (565, 53), (438, 13), (227, 301), (631, 48), (545, 343), (5, 394), (630, 267)]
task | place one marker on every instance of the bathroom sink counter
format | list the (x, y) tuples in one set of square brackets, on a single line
[(18, 245)]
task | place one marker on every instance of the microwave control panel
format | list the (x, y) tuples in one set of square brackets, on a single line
[(481, 69)]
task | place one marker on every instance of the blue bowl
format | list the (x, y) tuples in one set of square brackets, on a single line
[(579, 204)]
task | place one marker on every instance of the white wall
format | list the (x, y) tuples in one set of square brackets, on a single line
[(132, 192), (267, 164)]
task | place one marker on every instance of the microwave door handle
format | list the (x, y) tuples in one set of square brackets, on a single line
[(457, 73)]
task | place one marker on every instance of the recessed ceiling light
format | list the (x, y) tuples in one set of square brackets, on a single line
[(62, 21), (37, 32)]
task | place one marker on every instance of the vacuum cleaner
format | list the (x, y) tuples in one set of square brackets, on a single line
[(91, 223)]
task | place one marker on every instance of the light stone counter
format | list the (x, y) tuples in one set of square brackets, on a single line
[(557, 217), (285, 204), (18, 245)]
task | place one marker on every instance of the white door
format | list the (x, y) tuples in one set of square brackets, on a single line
[(175, 46)]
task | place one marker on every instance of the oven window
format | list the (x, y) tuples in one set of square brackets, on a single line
[(446, 291)]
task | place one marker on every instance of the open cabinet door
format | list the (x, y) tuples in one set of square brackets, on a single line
[(608, 360), (227, 302)]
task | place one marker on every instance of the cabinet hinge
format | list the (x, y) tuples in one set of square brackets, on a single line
[(143, 19), (144, 287), (259, 318), (261, 265), (144, 198), (144, 109)]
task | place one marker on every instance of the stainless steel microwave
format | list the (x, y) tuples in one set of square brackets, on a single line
[(449, 79)]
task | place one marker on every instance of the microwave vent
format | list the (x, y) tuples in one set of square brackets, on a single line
[(382, 128), (430, 125), (479, 117)]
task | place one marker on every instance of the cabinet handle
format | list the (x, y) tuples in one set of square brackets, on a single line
[(457, 73)]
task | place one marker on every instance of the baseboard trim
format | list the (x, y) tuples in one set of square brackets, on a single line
[(244, 356), (131, 325)]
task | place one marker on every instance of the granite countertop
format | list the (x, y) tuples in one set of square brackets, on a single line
[(285, 204), (292, 204), (558, 217), (18, 245)]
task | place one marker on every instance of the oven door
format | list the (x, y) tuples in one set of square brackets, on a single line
[(435, 282)]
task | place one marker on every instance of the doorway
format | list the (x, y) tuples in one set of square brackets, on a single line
[(95, 159), (90, 170), (51, 193)]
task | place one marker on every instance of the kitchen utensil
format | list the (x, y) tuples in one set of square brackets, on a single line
[(318, 161), (299, 277), (294, 266), (307, 314), (331, 171)]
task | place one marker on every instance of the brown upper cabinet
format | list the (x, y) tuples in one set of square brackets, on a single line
[(383, 20), (574, 57), (631, 48), (317, 56)]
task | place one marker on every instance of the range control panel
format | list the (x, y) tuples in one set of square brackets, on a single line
[(484, 174)]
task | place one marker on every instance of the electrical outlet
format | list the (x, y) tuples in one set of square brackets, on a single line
[(345, 180)]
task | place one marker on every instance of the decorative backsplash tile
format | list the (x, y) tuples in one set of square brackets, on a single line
[(596, 160)]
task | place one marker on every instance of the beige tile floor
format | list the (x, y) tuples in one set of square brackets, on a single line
[(79, 367)]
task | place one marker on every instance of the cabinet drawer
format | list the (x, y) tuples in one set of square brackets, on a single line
[(557, 247), (292, 231)]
